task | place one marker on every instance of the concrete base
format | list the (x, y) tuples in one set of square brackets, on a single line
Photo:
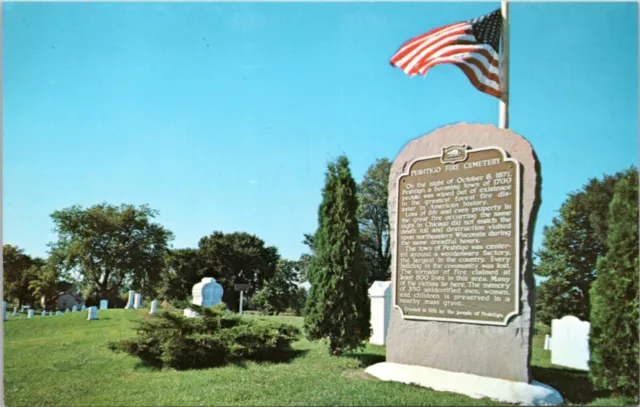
[(474, 386)]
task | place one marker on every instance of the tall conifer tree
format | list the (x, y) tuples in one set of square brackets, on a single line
[(613, 338), (338, 308)]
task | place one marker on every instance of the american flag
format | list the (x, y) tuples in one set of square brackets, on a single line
[(471, 45)]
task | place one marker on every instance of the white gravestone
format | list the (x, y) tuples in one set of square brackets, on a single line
[(570, 342), (30, 314), (66, 311), (5, 311), (92, 313), (130, 302), (380, 295), (74, 309), (206, 293), (104, 304), (59, 313), (547, 342), (137, 301), (15, 311), (84, 307), (43, 314), (154, 307)]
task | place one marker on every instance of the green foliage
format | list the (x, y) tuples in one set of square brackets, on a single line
[(213, 339), (373, 216), (111, 247), (338, 305), (279, 292), (570, 250), (46, 283), (236, 258), (185, 268), (19, 270), (613, 338)]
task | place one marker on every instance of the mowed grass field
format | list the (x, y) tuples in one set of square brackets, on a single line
[(63, 361)]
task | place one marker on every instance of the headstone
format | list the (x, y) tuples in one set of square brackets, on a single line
[(30, 313), (137, 301), (207, 293), (189, 313), (462, 206), (130, 301), (66, 311), (43, 314), (83, 308), (154, 307), (59, 313), (74, 309), (104, 304), (547, 342), (380, 299), (15, 311), (5, 311), (570, 338), (92, 313)]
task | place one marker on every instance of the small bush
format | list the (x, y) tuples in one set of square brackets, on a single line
[(214, 339)]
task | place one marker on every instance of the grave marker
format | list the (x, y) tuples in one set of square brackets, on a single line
[(92, 313), (154, 307), (74, 308), (380, 298), (130, 301), (570, 342), (104, 304), (137, 301), (30, 314)]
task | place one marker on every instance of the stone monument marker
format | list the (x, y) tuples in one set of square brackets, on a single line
[(154, 307), (74, 308), (104, 304), (206, 293), (462, 206), (92, 313), (380, 298), (130, 301), (137, 301), (30, 313), (570, 342)]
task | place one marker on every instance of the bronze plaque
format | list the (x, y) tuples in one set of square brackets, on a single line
[(457, 237)]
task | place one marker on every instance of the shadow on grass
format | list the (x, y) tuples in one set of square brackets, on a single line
[(574, 385), (366, 359), (284, 358)]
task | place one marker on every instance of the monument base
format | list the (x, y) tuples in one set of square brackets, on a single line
[(474, 386)]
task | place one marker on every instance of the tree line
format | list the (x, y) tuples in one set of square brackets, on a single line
[(107, 250)]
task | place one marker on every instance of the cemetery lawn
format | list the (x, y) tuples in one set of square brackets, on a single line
[(63, 361)]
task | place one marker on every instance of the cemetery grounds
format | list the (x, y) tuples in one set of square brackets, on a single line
[(64, 361)]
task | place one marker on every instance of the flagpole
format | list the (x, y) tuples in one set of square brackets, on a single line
[(503, 118)]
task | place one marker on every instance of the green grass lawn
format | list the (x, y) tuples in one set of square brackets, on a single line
[(63, 360)]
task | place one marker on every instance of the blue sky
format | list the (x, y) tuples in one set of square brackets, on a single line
[(224, 116)]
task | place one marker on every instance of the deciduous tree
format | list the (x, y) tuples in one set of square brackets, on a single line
[(373, 217), (112, 248), (571, 246), (237, 258)]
